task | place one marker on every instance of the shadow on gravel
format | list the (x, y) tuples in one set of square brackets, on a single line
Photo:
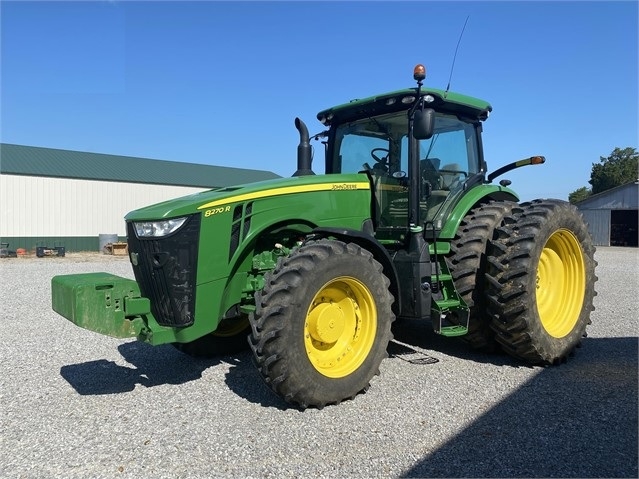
[(419, 335), (575, 420), (154, 365), (245, 381), (157, 365)]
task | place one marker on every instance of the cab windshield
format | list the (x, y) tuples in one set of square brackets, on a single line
[(381, 144)]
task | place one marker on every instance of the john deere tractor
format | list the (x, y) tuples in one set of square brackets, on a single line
[(313, 269)]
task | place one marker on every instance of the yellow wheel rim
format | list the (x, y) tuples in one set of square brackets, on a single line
[(561, 283), (340, 327), (231, 327)]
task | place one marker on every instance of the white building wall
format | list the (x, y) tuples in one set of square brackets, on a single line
[(42, 206)]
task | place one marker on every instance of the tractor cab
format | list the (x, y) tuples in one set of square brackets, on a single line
[(417, 176), (380, 146)]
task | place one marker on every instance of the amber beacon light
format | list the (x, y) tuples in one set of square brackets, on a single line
[(419, 72)]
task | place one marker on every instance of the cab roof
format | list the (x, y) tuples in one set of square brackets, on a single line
[(448, 102)]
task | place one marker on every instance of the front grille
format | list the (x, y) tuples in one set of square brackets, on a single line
[(166, 272)]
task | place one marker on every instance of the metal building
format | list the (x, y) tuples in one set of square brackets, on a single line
[(612, 215), (51, 197)]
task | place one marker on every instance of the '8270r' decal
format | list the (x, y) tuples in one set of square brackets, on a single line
[(217, 211)]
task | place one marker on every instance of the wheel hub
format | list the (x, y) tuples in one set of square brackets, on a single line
[(326, 322), (340, 327)]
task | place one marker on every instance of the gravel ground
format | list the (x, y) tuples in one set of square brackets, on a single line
[(77, 404)]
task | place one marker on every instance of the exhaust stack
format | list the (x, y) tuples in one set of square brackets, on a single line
[(303, 150)]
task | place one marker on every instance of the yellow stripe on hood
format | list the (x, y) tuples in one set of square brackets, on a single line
[(287, 190)]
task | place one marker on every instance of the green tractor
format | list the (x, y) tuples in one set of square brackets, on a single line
[(314, 269)]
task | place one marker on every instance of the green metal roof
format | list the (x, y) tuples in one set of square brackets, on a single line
[(49, 162)]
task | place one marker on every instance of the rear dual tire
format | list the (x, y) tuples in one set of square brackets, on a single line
[(540, 281)]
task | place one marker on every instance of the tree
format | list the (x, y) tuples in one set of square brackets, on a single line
[(617, 169), (621, 167), (579, 195)]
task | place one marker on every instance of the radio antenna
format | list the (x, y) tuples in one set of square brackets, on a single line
[(455, 56)]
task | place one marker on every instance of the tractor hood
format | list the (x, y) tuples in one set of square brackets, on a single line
[(216, 198)]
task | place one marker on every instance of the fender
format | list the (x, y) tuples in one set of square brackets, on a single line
[(369, 243), (477, 194)]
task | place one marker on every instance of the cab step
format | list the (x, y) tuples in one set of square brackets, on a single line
[(448, 302), (453, 331)]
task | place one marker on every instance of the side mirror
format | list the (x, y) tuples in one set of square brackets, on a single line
[(423, 123)]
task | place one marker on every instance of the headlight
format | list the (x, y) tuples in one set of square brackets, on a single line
[(155, 229)]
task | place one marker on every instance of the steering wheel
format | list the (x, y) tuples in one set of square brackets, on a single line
[(380, 160), (453, 172)]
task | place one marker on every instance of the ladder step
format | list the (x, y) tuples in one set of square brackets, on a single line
[(452, 331), (441, 277), (446, 304)]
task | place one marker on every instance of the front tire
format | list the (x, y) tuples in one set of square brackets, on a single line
[(541, 278), (322, 323)]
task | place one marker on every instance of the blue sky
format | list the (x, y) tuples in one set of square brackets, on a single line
[(221, 82)]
